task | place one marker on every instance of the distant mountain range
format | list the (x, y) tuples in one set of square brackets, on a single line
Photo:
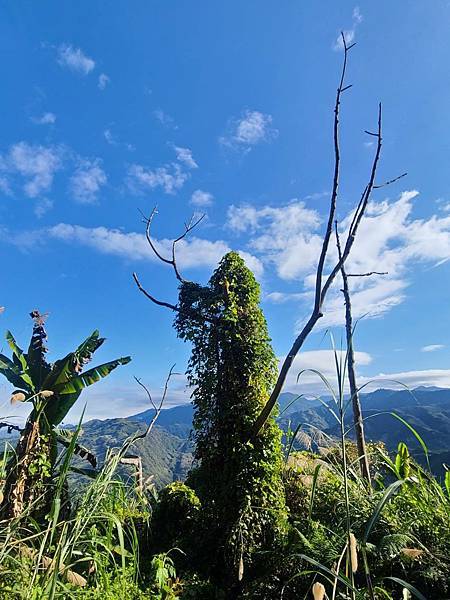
[(167, 452)]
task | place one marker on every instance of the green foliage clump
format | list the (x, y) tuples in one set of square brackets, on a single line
[(175, 517), (232, 370), (52, 390)]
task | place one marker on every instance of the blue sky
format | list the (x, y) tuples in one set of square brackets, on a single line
[(223, 108)]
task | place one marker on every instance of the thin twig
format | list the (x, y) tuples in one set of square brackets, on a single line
[(152, 298), (188, 227), (140, 436), (376, 187), (10, 426), (147, 391), (367, 274)]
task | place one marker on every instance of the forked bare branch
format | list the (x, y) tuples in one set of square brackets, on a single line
[(188, 227), (157, 409), (369, 274), (354, 393), (321, 289)]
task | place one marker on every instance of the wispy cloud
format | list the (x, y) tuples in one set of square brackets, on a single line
[(47, 118), (288, 238), (202, 199), (75, 59), (87, 181), (432, 348), (5, 187), (109, 137), (165, 119), (103, 81), (252, 128), (43, 205), (184, 155), (322, 361), (193, 252), (285, 237), (170, 178), (112, 140), (37, 164), (349, 34)]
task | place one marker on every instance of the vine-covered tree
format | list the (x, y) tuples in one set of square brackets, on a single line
[(232, 370), (52, 389)]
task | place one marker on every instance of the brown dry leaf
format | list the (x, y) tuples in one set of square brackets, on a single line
[(412, 552)]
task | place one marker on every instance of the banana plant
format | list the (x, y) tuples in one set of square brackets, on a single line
[(52, 389)]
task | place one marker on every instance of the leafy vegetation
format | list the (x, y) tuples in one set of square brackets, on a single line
[(231, 370), (252, 519), (52, 389)]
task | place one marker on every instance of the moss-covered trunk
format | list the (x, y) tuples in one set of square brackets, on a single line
[(27, 483)]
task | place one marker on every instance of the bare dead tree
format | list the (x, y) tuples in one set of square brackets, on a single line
[(354, 392), (172, 261), (157, 408), (323, 284)]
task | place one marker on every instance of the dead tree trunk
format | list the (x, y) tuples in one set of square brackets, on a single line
[(354, 392), (27, 482)]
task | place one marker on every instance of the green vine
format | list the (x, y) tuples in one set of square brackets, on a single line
[(232, 370)]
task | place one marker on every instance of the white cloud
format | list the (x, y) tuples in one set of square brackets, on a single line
[(75, 59), (5, 188), (192, 252), (164, 119), (322, 361), (253, 263), (184, 155), (112, 140), (289, 238), (43, 205), (250, 129), (202, 199), (282, 297), (432, 348), (357, 16), (103, 81), (412, 379), (47, 118), (284, 236), (38, 164), (87, 180), (349, 34), (109, 137), (170, 178)]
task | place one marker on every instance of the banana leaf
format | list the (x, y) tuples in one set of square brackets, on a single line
[(18, 355), (64, 437), (64, 368), (83, 380), (66, 394), (13, 374), (38, 367)]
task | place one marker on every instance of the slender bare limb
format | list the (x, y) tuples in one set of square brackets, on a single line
[(157, 408), (369, 274), (188, 227), (390, 182), (354, 393), (10, 427), (147, 391), (152, 298), (320, 288)]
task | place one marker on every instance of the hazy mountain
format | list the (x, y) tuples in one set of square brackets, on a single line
[(167, 452)]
